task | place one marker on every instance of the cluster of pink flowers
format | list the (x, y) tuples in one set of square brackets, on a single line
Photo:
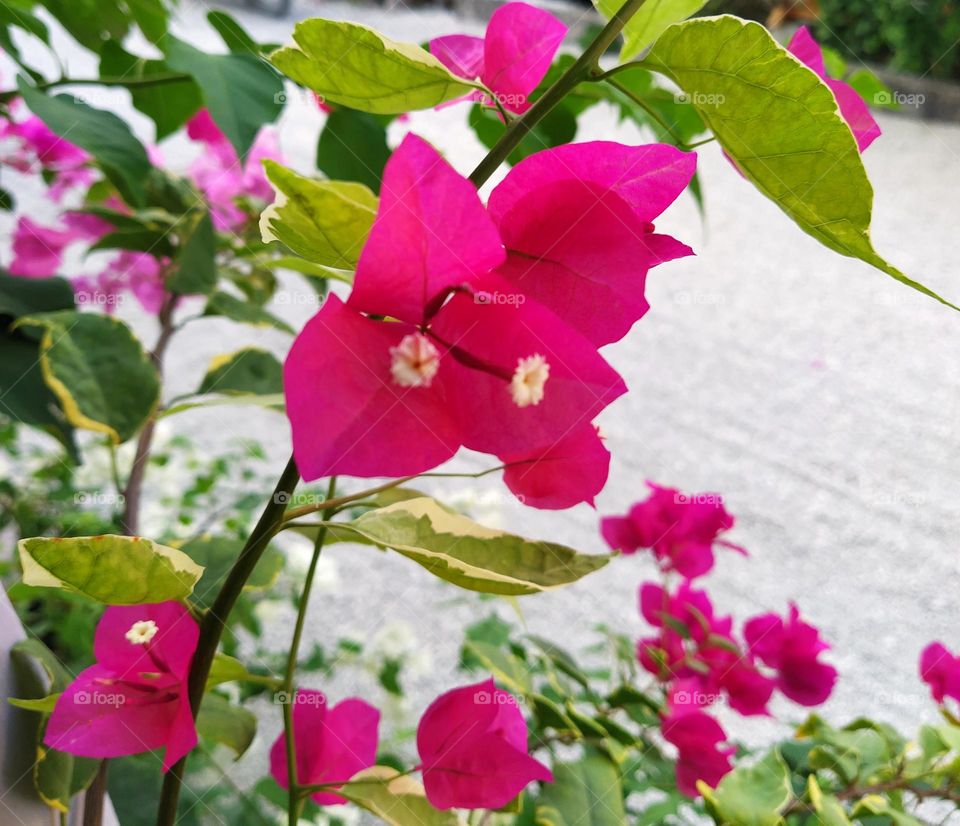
[(234, 191), (695, 652), (472, 740), (479, 327)]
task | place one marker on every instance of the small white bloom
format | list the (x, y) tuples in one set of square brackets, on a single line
[(142, 632), (415, 361), (529, 379)]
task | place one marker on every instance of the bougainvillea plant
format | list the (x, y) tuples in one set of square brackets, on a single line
[(452, 317)]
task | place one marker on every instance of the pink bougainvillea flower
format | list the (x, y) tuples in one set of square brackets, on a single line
[(332, 744), (853, 109), (512, 57), (577, 222), (681, 529), (38, 250), (134, 698), (136, 272), (433, 351), (940, 670), (472, 743), (699, 739), (220, 175), (792, 648)]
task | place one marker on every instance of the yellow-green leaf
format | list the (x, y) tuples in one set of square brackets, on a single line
[(649, 21), (470, 555), (326, 222), (358, 67), (117, 570), (396, 800), (781, 125), (249, 371)]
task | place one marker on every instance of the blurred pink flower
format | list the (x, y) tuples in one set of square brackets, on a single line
[(699, 739), (134, 698), (473, 744), (792, 648), (940, 670), (332, 744), (680, 528)]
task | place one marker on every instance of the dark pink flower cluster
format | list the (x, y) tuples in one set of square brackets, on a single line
[(695, 652), (479, 327), (681, 529)]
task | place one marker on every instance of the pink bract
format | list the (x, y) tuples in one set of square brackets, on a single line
[(853, 108), (511, 59), (332, 744), (940, 670), (472, 743), (792, 648), (699, 739), (681, 529), (134, 698)]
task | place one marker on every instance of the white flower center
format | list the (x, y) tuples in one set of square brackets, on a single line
[(415, 361), (142, 632), (528, 380)]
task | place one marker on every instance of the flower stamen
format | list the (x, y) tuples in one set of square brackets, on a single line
[(142, 632), (527, 384), (414, 361)]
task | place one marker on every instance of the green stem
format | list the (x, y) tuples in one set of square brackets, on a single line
[(582, 69), (653, 113), (214, 622), (294, 799)]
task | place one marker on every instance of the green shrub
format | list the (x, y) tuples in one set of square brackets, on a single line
[(922, 36)]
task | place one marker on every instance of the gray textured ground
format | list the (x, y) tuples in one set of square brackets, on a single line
[(819, 396)]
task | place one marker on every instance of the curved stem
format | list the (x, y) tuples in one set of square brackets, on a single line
[(586, 65), (214, 621), (653, 113), (295, 800)]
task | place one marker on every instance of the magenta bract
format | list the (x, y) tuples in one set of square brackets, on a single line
[(472, 743), (512, 57), (134, 698), (332, 744)]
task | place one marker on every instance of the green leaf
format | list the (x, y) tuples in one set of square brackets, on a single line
[(780, 123), (246, 372), (97, 370), (585, 793), (222, 722), (168, 105), (353, 147), (90, 22), (875, 804), (236, 309), (226, 669), (151, 239), (650, 21), (21, 296), (754, 795), (104, 135), (42, 704), (234, 36), (326, 222), (150, 16), (196, 270), (830, 811), (507, 668), (395, 799), (470, 555), (215, 555), (358, 67), (241, 91), (57, 776), (116, 570)]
